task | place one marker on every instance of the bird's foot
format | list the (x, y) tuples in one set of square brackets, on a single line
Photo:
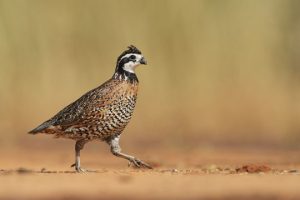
[(139, 163), (81, 170)]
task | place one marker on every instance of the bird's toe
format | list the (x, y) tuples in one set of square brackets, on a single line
[(80, 170), (140, 164)]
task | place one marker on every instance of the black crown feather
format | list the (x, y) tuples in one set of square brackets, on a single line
[(131, 49)]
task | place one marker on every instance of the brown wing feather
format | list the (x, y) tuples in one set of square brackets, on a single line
[(72, 114)]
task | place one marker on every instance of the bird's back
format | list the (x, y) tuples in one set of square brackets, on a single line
[(98, 114)]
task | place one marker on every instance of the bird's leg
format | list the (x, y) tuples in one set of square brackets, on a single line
[(78, 147), (116, 150)]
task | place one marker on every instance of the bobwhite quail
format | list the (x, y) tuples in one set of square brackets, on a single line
[(102, 113)]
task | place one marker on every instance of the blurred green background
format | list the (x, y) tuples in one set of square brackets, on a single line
[(219, 72)]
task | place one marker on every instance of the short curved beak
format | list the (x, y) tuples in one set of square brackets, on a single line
[(143, 61)]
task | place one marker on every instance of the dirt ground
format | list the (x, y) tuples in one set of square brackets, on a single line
[(43, 172)]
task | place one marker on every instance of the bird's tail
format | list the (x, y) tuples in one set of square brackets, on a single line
[(40, 128)]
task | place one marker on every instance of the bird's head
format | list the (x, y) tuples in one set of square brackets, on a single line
[(129, 60)]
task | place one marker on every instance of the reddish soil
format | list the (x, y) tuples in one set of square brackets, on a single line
[(42, 172)]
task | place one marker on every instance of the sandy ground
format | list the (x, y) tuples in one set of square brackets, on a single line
[(42, 172)]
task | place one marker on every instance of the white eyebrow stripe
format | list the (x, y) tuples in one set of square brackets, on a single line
[(129, 54)]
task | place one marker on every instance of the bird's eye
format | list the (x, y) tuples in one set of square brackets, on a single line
[(132, 57)]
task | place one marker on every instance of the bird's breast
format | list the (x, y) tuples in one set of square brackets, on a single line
[(123, 104), (118, 109)]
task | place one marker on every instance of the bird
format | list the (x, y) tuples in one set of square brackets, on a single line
[(101, 113)]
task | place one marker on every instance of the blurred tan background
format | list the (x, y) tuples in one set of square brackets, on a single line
[(219, 72)]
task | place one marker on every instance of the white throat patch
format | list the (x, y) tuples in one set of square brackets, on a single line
[(130, 66)]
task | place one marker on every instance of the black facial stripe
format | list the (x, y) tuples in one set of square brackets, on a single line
[(132, 57), (121, 63), (125, 60), (131, 50)]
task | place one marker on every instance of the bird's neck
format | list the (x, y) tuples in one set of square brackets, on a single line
[(125, 76)]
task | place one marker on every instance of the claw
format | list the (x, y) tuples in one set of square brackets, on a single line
[(140, 164), (136, 163), (80, 170)]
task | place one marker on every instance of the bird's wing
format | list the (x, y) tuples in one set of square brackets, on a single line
[(73, 113)]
